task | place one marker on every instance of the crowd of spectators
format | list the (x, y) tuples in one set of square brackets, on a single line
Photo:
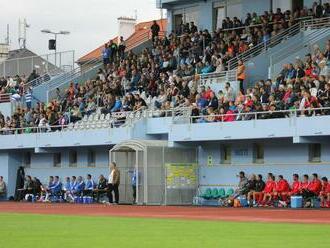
[(166, 76), (278, 192)]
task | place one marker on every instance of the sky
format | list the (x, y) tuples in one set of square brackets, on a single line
[(91, 22)]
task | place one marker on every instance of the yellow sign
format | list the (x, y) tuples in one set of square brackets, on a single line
[(181, 176)]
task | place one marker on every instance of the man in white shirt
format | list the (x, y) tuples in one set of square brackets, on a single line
[(113, 183)]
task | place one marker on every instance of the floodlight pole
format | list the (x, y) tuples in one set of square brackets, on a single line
[(47, 31)]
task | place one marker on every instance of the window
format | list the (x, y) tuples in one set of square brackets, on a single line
[(72, 158), (91, 158), (26, 161), (258, 154), (226, 154), (57, 159), (315, 153)]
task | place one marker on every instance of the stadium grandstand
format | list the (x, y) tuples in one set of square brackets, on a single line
[(212, 111), (179, 107)]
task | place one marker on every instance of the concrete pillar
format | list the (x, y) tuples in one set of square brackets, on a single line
[(9, 163)]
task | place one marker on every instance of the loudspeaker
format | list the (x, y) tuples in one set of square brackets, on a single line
[(52, 44)]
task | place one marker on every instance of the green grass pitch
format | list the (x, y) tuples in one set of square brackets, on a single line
[(30, 230)]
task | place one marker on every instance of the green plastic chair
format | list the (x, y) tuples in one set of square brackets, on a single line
[(230, 192), (215, 193), (207, 193), (221, 193)]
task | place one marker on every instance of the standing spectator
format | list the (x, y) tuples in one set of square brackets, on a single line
[(134, 184), (112, 51), (32, 76), (121, 48), (113, 183), (154, 30), (106, 55), (241, 75), (3, 188), (28, 98)]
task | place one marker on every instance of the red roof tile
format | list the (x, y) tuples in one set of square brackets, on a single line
[(141, 34)]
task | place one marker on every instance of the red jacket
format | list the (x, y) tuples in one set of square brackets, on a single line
[(304, 185), (315, 186), (229, 116), (326, 188), (296, 187), (270, 187), (282, 186)]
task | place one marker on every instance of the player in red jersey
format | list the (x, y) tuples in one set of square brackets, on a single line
[(304, 184), (269, 189), (296, 186), (282, 189), (313, 190), (325, 193)]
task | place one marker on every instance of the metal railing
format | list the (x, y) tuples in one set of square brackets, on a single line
[(218, 77), (263, 46), (178, 116), (277, 39), (319, 30), (43, 64), (5, 98), (268, 23), (262, 115)]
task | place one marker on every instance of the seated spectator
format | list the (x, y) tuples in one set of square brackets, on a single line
[(3, 189)]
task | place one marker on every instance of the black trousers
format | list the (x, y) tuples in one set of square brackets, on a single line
[(241, 85), (114, 188), (134, 193), (308, 194)]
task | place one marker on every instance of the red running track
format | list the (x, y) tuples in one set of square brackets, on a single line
[(319, 216)]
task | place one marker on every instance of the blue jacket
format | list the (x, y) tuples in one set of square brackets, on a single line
[(67, 186), (133, 178), (117, 106), (106, 53), (80, 186), (56, 188), (73, 185), (90, 185)]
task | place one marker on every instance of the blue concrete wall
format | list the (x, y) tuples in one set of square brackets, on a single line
[(280, 157)]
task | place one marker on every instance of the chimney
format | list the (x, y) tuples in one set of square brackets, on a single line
[(126, 27)]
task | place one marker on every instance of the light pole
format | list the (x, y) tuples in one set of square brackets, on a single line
[(47, 31)]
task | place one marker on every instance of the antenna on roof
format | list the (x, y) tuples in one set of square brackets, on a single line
[(22, 26), (7, 38), (135, 12)]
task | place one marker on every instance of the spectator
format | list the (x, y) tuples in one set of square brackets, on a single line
[(241, 75), (154, 30)]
